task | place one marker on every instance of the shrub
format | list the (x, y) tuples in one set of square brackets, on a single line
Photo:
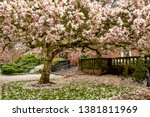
[(136, 71), (128, 70), (139, 74), (21, 65), (125, 71), (8, 69), (0, 68)]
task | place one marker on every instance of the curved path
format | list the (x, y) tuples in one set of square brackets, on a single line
[(6, 79)]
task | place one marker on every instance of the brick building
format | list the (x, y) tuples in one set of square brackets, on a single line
[(125, 53)]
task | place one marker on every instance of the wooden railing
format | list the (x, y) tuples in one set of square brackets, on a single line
[(94, 66), (125, 60), (103, 64), (93, 63)]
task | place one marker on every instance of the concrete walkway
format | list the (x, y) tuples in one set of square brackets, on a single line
[(7, 79)]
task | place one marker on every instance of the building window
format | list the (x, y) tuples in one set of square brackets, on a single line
[(64, 55), (126, 53)]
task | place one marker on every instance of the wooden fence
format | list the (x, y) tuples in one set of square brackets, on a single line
[(98, 66), (93, 66)]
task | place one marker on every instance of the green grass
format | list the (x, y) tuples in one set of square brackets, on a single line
[(74, 91)]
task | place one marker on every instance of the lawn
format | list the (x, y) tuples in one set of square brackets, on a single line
[(73, 91)]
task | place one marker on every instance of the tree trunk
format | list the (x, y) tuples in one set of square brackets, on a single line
[(45, 76)]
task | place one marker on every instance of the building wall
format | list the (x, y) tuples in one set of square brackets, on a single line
[(74, 56), (121, 54)]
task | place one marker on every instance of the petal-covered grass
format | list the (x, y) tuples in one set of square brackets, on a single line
[(73, 91)]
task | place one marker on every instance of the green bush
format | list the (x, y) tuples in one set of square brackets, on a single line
[(128, 70), (136, 71), (8, 69), (0, 68), (139, 72), (21, 65), (125, 71)]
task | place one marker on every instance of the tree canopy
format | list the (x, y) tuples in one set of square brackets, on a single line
[(56, 26)]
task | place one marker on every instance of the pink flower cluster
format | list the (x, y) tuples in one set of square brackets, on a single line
[(56, 23)]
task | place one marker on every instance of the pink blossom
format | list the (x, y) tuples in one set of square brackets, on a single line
[(42, 20), (65, 21), (140, 22)]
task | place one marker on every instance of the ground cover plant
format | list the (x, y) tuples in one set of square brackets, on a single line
[(73, 91)]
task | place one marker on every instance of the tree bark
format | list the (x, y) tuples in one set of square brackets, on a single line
[(45, 76)]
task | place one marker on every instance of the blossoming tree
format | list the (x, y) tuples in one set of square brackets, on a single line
[(44, 24), (56, 26)]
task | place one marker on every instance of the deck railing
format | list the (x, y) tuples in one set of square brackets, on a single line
[(104, 64)]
